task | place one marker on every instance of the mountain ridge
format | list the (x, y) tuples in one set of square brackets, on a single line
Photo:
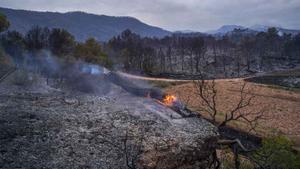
[(84, 25), (81, 24)]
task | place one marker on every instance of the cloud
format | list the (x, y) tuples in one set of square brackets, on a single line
[(198, 15)]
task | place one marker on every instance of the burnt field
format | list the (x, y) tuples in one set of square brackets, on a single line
[(59, 123)]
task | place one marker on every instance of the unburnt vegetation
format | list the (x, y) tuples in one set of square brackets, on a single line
[(60, 43)]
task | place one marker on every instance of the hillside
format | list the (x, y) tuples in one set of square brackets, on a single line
[(81, 25)]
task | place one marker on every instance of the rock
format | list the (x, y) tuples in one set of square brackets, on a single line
[(71, 101)]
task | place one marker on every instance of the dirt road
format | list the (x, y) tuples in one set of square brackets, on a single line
[(131, 76)]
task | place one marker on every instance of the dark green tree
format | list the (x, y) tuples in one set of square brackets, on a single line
[(91, 51), (4, 23), (14, 44), (61, 42), (37, 38), (134, 47)]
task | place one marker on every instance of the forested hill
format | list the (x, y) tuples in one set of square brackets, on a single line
[(81, 25)]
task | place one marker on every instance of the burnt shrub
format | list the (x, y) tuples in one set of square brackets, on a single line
[(22, 77)]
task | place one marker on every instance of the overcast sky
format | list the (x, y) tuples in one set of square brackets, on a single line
[(198, 15)]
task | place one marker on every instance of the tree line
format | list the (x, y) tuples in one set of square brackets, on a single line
[(233, 54), (58, 41)]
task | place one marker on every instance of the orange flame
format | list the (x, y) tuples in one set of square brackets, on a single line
[(169, 100)]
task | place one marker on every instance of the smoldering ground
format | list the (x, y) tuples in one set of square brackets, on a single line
[(76, 75), (73, 74)]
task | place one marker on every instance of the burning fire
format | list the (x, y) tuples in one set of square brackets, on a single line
[(169, 100)]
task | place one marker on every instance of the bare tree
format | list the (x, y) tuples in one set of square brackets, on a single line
[(169, 56), (162, 60), (182, 49), (207, 94), (247, 47), (198, 47)]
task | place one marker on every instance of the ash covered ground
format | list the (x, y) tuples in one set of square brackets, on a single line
[(49, 123)]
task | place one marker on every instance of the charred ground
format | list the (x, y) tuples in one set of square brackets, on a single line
[(44, 126)]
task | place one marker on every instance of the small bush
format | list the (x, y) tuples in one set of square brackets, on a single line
[(277, 152)]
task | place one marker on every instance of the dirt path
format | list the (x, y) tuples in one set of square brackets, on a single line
[(278, 72), (131, 76)]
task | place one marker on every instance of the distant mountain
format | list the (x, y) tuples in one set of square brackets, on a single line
[(81, 25), (281, 31), (225, 29), (186, 31), (229, 29)]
